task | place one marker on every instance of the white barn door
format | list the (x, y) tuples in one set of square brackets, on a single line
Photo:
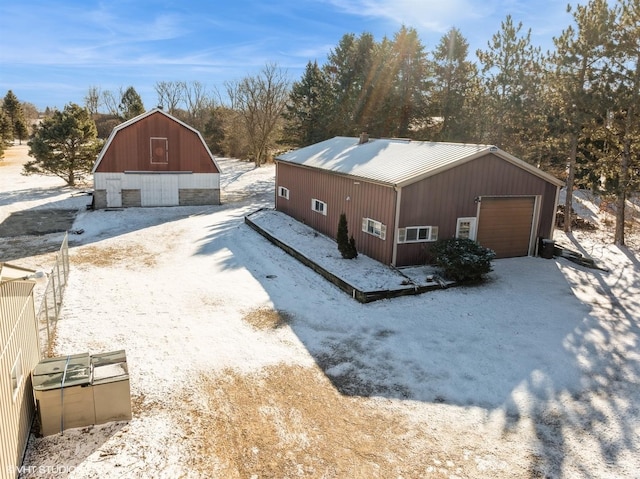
[(114, 193), (159, 190)]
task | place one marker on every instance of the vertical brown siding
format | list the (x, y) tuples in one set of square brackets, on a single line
[(356, 198), (435, 201), (130, 148), (441, 199), (548, 212)]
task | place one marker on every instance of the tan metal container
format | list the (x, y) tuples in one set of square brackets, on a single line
[(62, 392), (81, 390), (111, 389)]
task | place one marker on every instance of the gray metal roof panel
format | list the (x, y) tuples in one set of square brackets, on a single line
[(392, 161)]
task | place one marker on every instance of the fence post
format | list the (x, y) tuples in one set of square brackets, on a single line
[(46, 318), (64, 250), (55, 296)]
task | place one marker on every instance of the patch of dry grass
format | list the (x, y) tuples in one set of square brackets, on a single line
[(125, 255), (267, 318), (290, 421)]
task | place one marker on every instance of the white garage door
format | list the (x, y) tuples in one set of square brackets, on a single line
[(159, 190)]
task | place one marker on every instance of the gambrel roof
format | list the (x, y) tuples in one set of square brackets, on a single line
[(396, 162), (144, 115)]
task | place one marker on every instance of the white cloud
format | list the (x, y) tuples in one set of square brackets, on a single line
[(434, 15)]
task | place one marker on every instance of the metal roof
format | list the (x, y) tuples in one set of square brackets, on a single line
[(396, 162)]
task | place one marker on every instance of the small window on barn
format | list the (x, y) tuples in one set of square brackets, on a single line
[(466, 228), (16, 376), (319, 206), (374, 228), (159, 150), (283, 192), (417, 234)]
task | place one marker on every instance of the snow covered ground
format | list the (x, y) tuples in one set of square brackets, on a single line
[(245, 363)]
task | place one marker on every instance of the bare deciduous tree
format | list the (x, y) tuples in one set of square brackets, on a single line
[(198, 103), (111, 102), (261, 100), (170, 94), (92, 99)]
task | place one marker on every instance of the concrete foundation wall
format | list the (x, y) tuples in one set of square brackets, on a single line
[(131, 198), (187, 197), (100, 199), (198, 197)]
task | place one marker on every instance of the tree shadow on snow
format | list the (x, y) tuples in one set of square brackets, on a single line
[(602, 411), (523, 345), (89, 440)]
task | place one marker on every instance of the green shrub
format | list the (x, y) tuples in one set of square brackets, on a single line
[(462, 260)]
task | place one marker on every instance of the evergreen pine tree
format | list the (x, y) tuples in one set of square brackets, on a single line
[(131, 104), (64, 145), (343, 236), (353, 251)]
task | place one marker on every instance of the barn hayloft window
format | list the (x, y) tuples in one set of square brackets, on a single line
[(159, 150), (283, 192), (319, 206), (374, 228), (417, 234)]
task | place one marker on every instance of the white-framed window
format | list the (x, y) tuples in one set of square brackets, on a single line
[(466, 228), (417, 234), (319, 206), (374, 228), (16, 376), (283, 192)]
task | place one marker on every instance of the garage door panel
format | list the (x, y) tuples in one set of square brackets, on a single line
[(505, 225), (159, 190)]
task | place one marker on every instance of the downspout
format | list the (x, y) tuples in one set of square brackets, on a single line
[(275, 193), (394, 255), (555, 211), (535, 225)]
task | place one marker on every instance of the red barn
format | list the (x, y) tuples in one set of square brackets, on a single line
[(155, 159), (401, 195)]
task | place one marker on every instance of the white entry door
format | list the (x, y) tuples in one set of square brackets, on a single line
[(114, 193)]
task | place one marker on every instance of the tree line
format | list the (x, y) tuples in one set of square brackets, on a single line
[(572, 111)]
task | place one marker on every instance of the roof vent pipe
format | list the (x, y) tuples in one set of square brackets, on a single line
[(364, 137)]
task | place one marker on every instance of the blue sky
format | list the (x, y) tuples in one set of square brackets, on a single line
[(52, 51)]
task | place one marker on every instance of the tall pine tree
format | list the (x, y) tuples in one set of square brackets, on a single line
[(511, 75), (578, 64), (306, 110), (618, 133), (453, 78), (13, 111)]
